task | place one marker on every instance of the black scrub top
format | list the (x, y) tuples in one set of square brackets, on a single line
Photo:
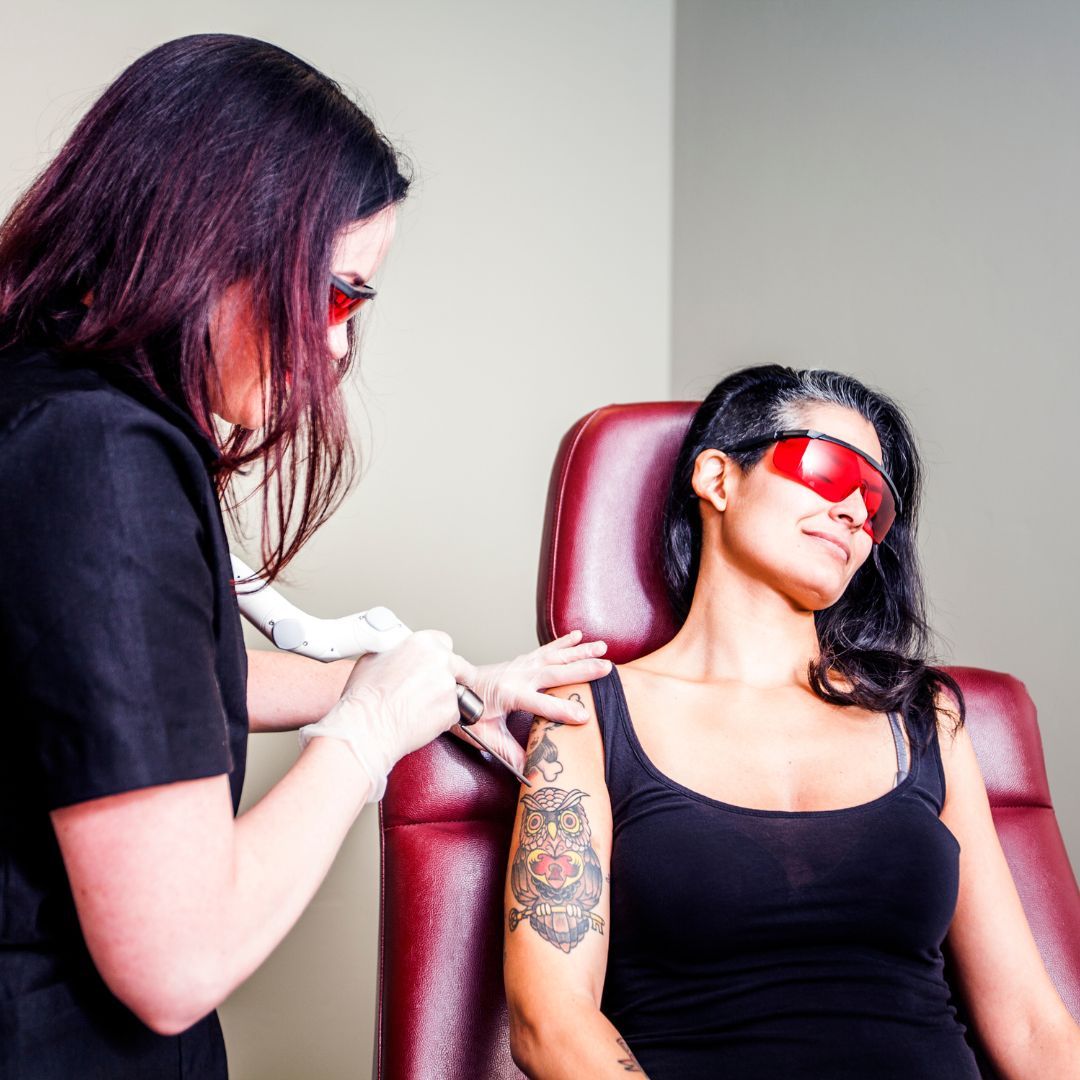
[(122, 666)]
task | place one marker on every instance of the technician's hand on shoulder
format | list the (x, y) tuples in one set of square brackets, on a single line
[(395, 702), (519, 684)]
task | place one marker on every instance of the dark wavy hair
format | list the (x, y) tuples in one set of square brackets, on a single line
[(212, 159), (876, 635)]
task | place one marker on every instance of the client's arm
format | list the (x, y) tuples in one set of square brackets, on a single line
[(1017, 1012), (557, 906)]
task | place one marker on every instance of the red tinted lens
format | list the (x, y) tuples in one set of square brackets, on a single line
[(834, 472), (343, 307), (881, 519)]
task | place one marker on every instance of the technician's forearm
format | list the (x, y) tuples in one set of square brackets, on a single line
[(287, 691), (567, 1042), (285, 845), (235, 904)]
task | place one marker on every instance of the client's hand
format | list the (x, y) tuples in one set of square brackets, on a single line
[(519, 684)]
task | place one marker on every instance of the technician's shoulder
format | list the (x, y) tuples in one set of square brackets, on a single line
[(31, 376), (62, 425)]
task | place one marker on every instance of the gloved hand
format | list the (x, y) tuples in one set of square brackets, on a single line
[(395, 702), (518, 684)]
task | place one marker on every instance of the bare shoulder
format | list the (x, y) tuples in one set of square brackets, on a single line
[(947, 713), (952, 736), (552, 746), (580, 692), (964, 787)]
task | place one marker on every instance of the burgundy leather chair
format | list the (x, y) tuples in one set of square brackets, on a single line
[(446, 818)]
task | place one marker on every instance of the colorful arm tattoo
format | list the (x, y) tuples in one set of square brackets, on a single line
[(555, 875)]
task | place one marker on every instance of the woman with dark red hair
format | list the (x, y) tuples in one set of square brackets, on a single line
[(164, 324)]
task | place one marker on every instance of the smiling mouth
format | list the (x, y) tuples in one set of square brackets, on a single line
[(832, 543)]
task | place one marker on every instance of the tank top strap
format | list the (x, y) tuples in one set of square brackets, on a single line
[(610, 707), (928, 779)]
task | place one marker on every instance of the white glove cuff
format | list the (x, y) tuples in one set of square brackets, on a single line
[(341, 723)]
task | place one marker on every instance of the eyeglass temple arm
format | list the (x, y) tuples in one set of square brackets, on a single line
[(353, 292)]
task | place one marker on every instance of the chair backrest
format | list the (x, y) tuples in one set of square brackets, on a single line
[(446, 818)]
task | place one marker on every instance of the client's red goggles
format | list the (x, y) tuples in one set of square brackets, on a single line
[(346, 299), (834, 469)]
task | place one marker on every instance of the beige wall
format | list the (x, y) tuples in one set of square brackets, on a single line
[(542, 135), (891, 189), (877, 187)]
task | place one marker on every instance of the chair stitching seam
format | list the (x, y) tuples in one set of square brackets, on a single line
[(441, 821)]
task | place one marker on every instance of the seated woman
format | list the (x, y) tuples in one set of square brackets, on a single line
[(746, 868)]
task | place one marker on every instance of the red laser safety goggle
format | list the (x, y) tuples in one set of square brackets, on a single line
[(834, 469), (346, 300)]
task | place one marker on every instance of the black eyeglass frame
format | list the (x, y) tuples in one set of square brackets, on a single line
[(353, 292), (809, 433)]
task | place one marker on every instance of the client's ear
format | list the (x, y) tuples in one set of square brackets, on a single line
[(712, 471)]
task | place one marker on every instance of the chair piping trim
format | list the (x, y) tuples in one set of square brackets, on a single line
[(445, 821), (549, 599), (380, 997)]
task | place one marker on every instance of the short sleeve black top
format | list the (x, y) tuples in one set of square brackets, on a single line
[(122, 666)]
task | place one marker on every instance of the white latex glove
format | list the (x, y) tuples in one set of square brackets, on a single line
[(395, 702), (519, 684)]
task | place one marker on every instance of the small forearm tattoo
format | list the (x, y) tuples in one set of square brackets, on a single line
[(555, 875), (629, 1063), (542, 755)]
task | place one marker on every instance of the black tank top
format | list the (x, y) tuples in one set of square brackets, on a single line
[(751, 944)]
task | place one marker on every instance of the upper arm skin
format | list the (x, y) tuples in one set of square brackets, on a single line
[(178, 902), (146, 869), (555, 959), (1020, 1018)]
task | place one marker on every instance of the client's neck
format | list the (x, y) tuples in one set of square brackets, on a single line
[(741, 629)]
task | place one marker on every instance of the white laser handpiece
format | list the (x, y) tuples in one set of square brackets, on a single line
[(374, 630), (293, 630)]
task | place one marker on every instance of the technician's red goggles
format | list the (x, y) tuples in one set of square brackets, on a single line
[(346, 300), (834, 469)]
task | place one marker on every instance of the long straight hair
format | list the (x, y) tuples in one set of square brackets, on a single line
[(211, 160), (876, 635)]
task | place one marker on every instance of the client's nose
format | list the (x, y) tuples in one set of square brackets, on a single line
[(852, 509)]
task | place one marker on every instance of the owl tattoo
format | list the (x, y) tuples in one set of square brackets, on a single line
[(555, 875)]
